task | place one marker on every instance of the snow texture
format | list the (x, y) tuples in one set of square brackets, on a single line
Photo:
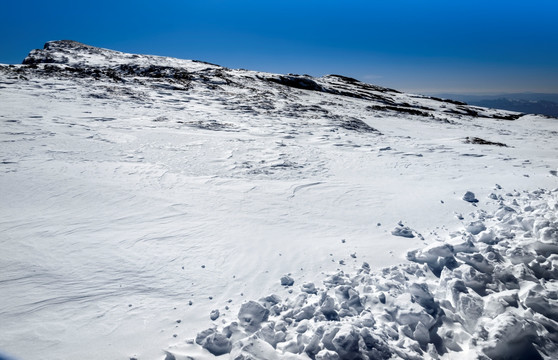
[(145, 199), (476, 302)]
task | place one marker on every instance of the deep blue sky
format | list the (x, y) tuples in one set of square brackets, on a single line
[(411, 45)]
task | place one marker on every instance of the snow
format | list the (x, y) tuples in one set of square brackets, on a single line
[(138, 212), (482, 305)]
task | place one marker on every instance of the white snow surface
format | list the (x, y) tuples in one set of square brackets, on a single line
[(147, 199)]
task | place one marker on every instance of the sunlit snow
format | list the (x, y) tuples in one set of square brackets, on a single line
[(147, 199)]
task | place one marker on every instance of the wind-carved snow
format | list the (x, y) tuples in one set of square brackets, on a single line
[(475, 295), (146, 199)]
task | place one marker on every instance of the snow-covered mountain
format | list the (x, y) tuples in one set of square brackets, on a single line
[(146, 199)]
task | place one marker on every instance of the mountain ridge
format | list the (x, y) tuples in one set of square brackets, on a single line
[(70, 58)]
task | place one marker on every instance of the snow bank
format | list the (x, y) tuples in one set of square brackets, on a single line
[(487, 292)]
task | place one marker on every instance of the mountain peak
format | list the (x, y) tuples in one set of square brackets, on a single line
[(69, 52), (66, 44)]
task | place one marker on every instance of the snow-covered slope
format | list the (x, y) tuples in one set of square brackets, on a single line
[(140, 193)]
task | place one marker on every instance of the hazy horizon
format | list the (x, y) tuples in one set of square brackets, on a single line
[(419, 47)]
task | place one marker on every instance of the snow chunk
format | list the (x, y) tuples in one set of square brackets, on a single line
[(309, 288), (251, 315), (346, 343), (475, 227), (327, 355), (403, 231), (507, 337), (286, 280), (470, 197), (217, 344), (436, 256), (214, 315)]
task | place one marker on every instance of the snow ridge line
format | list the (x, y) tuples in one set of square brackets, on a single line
[(71, 59), (479, 295)]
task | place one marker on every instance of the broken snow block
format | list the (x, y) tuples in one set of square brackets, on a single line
[(470, 197), (403, 231), (217, 344), (251, 315), (287, 280)]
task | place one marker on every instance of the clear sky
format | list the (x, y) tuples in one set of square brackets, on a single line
[(411, 45)]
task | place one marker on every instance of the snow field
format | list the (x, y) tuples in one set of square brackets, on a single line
[(478, 294), (136, 203)]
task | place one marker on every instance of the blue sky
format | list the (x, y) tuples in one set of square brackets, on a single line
[(411, 45)]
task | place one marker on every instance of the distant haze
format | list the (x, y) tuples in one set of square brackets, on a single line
[(529, 103), (414, 46)]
